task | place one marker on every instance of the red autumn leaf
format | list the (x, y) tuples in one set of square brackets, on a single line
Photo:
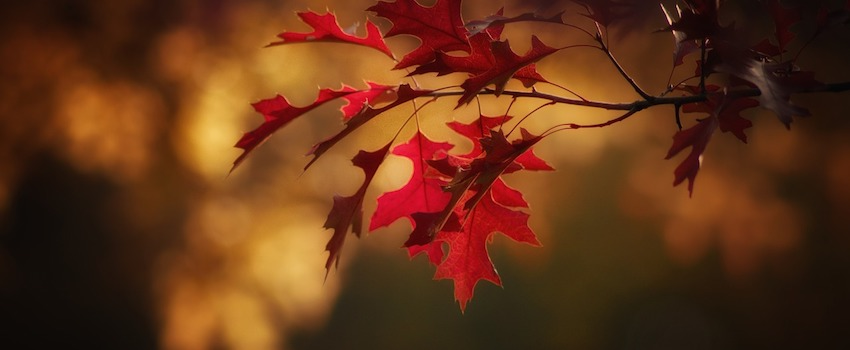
[(505, 64), (481, 128), (404, 94), (440, 27), (278, 112), (783, 19), (432, 250), (348, 211), (420, 239), (776, 81), (468, 261), (479, 61), (697, 138), (355, 102), (727, 110), (421, 194), (326, 29), (724, 112), (730, 120), (683, 46), (501, 157)]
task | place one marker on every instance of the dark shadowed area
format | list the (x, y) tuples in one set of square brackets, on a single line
[(120, 227)]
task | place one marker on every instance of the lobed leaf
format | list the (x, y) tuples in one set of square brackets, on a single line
[(348, 211), (695, 137), (404, 94), (421, 193), (776, 81), (278, 112), (440, 27), (505, 64), (468, 261), (326, 29)]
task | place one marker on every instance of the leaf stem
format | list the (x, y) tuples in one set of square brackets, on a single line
[(528, 115), (702, 58), (620, 69)]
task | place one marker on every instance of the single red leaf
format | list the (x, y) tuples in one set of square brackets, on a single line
[(433, 251), (506, 195), (776, 81), (404, 94), (421, 193), (505, 64), (726, 109), (348, 211), (476, 130), (683, 46), (355, 102), (278, 112), (697, 138), (421, 239), (440, 27), (468, 261), (529, 76), (326, 29)]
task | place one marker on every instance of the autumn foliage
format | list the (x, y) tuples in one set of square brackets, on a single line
[(456, 203)]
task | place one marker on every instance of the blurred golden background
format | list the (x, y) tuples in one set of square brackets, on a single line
[(120, 229)]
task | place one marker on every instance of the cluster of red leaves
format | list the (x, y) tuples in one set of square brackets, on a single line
[(456, 203), (697, 27)]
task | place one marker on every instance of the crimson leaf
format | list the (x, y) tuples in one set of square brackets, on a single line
[(326, 28)]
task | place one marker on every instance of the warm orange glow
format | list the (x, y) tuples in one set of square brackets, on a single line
[(116, 138)]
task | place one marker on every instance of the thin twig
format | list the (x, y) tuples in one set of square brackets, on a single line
[(620, 69), (702, 58)]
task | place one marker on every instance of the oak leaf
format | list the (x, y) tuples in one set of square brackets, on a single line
[(505, 64), (326, 29), (278, 112), (404, 94), (468, 261), (440, 28), (421, 193), (348, 211), (724, 112)]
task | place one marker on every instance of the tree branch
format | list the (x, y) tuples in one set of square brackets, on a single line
[(639, 105)]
